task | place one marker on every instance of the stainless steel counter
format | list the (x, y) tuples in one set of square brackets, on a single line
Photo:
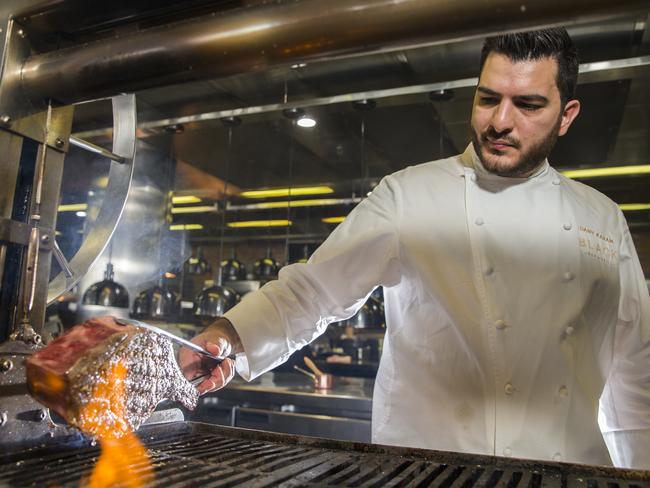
[(289, 403)]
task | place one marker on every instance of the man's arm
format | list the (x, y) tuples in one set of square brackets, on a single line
[(625, 402), (268, 325)]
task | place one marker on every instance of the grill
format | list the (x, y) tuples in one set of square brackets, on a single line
[(195, 454)]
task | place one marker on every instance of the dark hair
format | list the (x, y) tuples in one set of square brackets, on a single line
[(534, 45)]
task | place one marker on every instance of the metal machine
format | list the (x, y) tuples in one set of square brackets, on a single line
[(57, 53)]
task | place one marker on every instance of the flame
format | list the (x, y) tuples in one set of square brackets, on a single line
[(123, 460)]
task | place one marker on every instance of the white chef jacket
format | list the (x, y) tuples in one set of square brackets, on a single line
[(515, 308)]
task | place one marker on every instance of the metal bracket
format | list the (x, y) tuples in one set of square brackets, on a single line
[(17, 113), (119, 182), (14, 232)]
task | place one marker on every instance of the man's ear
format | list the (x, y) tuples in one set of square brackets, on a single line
[(571, 111)]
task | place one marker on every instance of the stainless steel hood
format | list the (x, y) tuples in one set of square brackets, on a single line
[(255, 39)]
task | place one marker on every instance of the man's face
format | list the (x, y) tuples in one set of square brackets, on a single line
[(517, 114)]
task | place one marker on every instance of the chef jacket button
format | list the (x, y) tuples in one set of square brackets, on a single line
[(563, 391), (507, 452), (509, 389), (567, 226), (489, 270), (500, 324), (557, 457), (568, 276), (479, 221), (556, 181), (473, 177), (569, 330)]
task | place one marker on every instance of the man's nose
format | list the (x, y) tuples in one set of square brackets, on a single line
[(502, 117)]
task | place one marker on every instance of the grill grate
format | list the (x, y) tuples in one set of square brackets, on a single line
[(191, 454)]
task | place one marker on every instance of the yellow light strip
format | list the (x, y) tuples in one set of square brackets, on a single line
[(299, 203), (333, 220), (610, 171), (630, 207), (284, 192), (185, 227), (73, 207), (198, 209), (178, 199), (260, 223)]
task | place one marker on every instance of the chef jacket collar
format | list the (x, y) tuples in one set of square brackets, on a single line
[(470, 160)]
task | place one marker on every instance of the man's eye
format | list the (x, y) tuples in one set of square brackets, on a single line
[(488, 100), (529, 106)]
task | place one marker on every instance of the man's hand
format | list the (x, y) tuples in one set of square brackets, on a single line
[(220, 339)]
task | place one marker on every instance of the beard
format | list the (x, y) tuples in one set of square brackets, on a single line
[(528, 160)]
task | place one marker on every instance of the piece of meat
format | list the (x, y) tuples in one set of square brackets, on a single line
[(101, 375)]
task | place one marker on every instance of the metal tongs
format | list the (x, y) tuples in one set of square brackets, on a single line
[(173, 338)]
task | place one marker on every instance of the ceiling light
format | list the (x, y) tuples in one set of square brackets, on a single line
[(629, 207), (197, 209), (260, 223), (333, 220), (610, 171), (284, 192), (306, 122), (73, 207), (185, 227), (101, 182), (81, 213), (185, 199)]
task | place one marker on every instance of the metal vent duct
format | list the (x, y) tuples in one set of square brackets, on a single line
[(257, 38)]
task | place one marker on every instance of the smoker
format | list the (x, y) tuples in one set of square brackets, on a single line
[(113, 50)]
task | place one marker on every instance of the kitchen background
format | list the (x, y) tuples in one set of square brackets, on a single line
[(329, 131)]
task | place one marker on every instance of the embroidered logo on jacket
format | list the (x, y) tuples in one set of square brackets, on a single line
[(597, 245)]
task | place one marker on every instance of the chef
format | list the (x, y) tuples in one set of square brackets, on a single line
[(518, 319)]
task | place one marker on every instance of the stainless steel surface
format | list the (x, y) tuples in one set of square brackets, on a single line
[(29, 274), (308, 424), (194, 454), (89, 146), (17, 114), (589, 72), (61, 260), (247, 40), (12, 231), (173, 338), (143, 249), (215, 301), (119, 182), (107, 292), (346, 395), (291, 403), (85, 312), (11, 149), (159, 302), (27, 422), (53, 173)]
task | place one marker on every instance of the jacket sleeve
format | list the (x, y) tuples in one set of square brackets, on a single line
[(625, 403), (285, 314)]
